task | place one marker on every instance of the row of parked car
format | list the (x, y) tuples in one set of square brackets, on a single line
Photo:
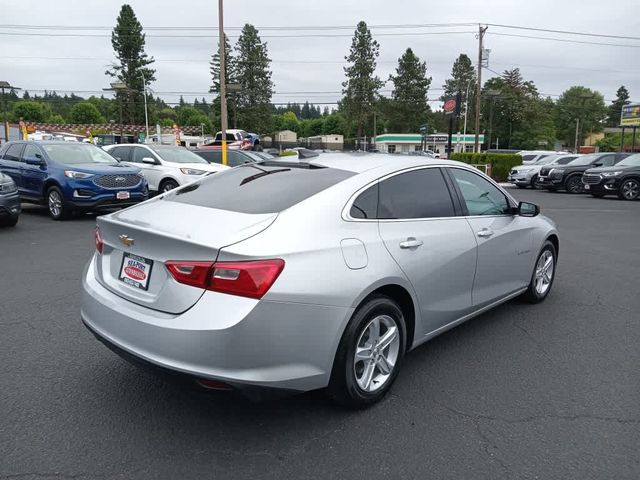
[(73, 176), (599, 174)]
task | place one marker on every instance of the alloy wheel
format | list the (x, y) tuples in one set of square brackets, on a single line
[(55, 203), (630, 189), (544, 272), (574, 185), (376, 353)]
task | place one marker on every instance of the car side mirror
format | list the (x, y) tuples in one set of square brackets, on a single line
[(149, 160), (35, 161), (597, 164), (526, 209)]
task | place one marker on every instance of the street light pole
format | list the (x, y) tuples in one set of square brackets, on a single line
[(481, 32), (7, 85), (466, 107), (223, 96), (146, 113)]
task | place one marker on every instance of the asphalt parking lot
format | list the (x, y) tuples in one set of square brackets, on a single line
[(545, 391)]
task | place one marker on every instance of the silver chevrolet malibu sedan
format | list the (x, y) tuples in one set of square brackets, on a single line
[(311, 274)]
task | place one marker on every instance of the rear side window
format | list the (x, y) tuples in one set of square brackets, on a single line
[(259, 188), (366, 205), (13, 152), (415, 194)]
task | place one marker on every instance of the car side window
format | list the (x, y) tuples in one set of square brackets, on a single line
[(139, 153), (234, 158), (30, 152), (121, 153), (416, 194), (564, 161), (366, 205), (480, 196), (13, 152), (607, 160)]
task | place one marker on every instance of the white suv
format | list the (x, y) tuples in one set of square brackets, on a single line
[(164, 166)]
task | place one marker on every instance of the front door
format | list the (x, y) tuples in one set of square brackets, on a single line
[(33, 176), (152, 172), (505, 240), (434, 248)]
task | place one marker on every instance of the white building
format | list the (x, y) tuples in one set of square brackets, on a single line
[(411, 142), (331, 141), (286, 136)]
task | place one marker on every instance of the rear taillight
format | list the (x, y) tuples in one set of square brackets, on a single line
[(245, 142), (251, 279), (99, 243)]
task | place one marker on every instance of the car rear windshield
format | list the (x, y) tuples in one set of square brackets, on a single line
[(259, 188), (77, 154)]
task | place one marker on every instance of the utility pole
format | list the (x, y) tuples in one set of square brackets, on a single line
[(146, 112), (481, 32), (577, 125), (223, 87), (375, 132)]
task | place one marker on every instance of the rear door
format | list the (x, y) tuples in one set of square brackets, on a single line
[(434, 248), (505, 241), (11, 165), (33, 176)]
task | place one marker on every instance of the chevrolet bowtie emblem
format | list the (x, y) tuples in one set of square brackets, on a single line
[(124, 239)]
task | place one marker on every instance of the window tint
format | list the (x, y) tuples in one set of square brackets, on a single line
[(526, 158), (208, 155), (120, 152), (607, 160), (139, 153), (480, 196), (257, 188), (416, 194), (565, 160), (30, 152), (13, 152), (366, 205)]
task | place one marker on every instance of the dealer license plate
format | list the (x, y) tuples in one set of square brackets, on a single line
[(587, 187), (123, 195), (135, 271)]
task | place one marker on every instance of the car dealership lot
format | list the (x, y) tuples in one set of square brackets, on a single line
[(548, 391)]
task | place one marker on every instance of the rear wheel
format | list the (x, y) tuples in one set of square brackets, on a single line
[(543, 275), (58, 209), (629, 190), (370, 353), (167, 185), (534, 181), (574, 184)]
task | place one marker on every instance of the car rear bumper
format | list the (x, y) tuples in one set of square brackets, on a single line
[(238, 341)]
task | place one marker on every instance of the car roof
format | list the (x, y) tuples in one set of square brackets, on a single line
[(48, 142), (359, 162)]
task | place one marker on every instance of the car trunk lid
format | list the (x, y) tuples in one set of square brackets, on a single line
[(137, 242)]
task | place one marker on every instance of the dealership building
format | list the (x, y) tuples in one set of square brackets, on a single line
[(411, 142)]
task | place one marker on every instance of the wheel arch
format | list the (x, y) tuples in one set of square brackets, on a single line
[(553, 238), (167, 178), (50, 182)]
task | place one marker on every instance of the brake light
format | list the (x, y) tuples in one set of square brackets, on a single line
[(251, 279), (246, 142), (99, 243)]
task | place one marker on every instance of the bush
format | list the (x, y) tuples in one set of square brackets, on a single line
[(501, 163)]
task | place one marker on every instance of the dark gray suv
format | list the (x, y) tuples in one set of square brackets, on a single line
[(9, 201)]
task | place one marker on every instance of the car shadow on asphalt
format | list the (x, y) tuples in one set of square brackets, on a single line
[(38, 211)]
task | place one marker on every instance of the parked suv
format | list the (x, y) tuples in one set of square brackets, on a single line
[(569, 177), (164, 166), (623, 179), (526, 175), (9, 201), (68, 176)]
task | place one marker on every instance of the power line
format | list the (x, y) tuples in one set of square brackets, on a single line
[(565, 32), (555, 39)]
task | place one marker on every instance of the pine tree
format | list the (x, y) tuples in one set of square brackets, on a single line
[(409, 96), (361, 87), (614, 111), (463, 79), (252, 72), (131, 67)]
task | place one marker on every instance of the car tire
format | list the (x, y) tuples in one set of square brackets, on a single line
[(542, 277), (574, 185), (257, 148), (9, 222), (167, 185), (58, 208), (520, 186), (534, 180), (359, 383), (629, 189)]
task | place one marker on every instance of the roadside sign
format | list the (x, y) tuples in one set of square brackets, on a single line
[(630, 115), (423, 128), (141, 137)]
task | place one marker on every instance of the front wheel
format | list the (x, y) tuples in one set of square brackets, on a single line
[(543, 275), (370, 353), (9, 221), (534, 181), (58, 209), (168, 185), (629, 190), (574, 185)]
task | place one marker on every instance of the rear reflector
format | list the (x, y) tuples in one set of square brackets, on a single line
[(99, 243), (251, 279)]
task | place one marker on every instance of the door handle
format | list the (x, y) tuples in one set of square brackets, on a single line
[(485, 232), (411, 242)]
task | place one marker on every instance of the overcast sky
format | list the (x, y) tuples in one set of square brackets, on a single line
[(60, 63)]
